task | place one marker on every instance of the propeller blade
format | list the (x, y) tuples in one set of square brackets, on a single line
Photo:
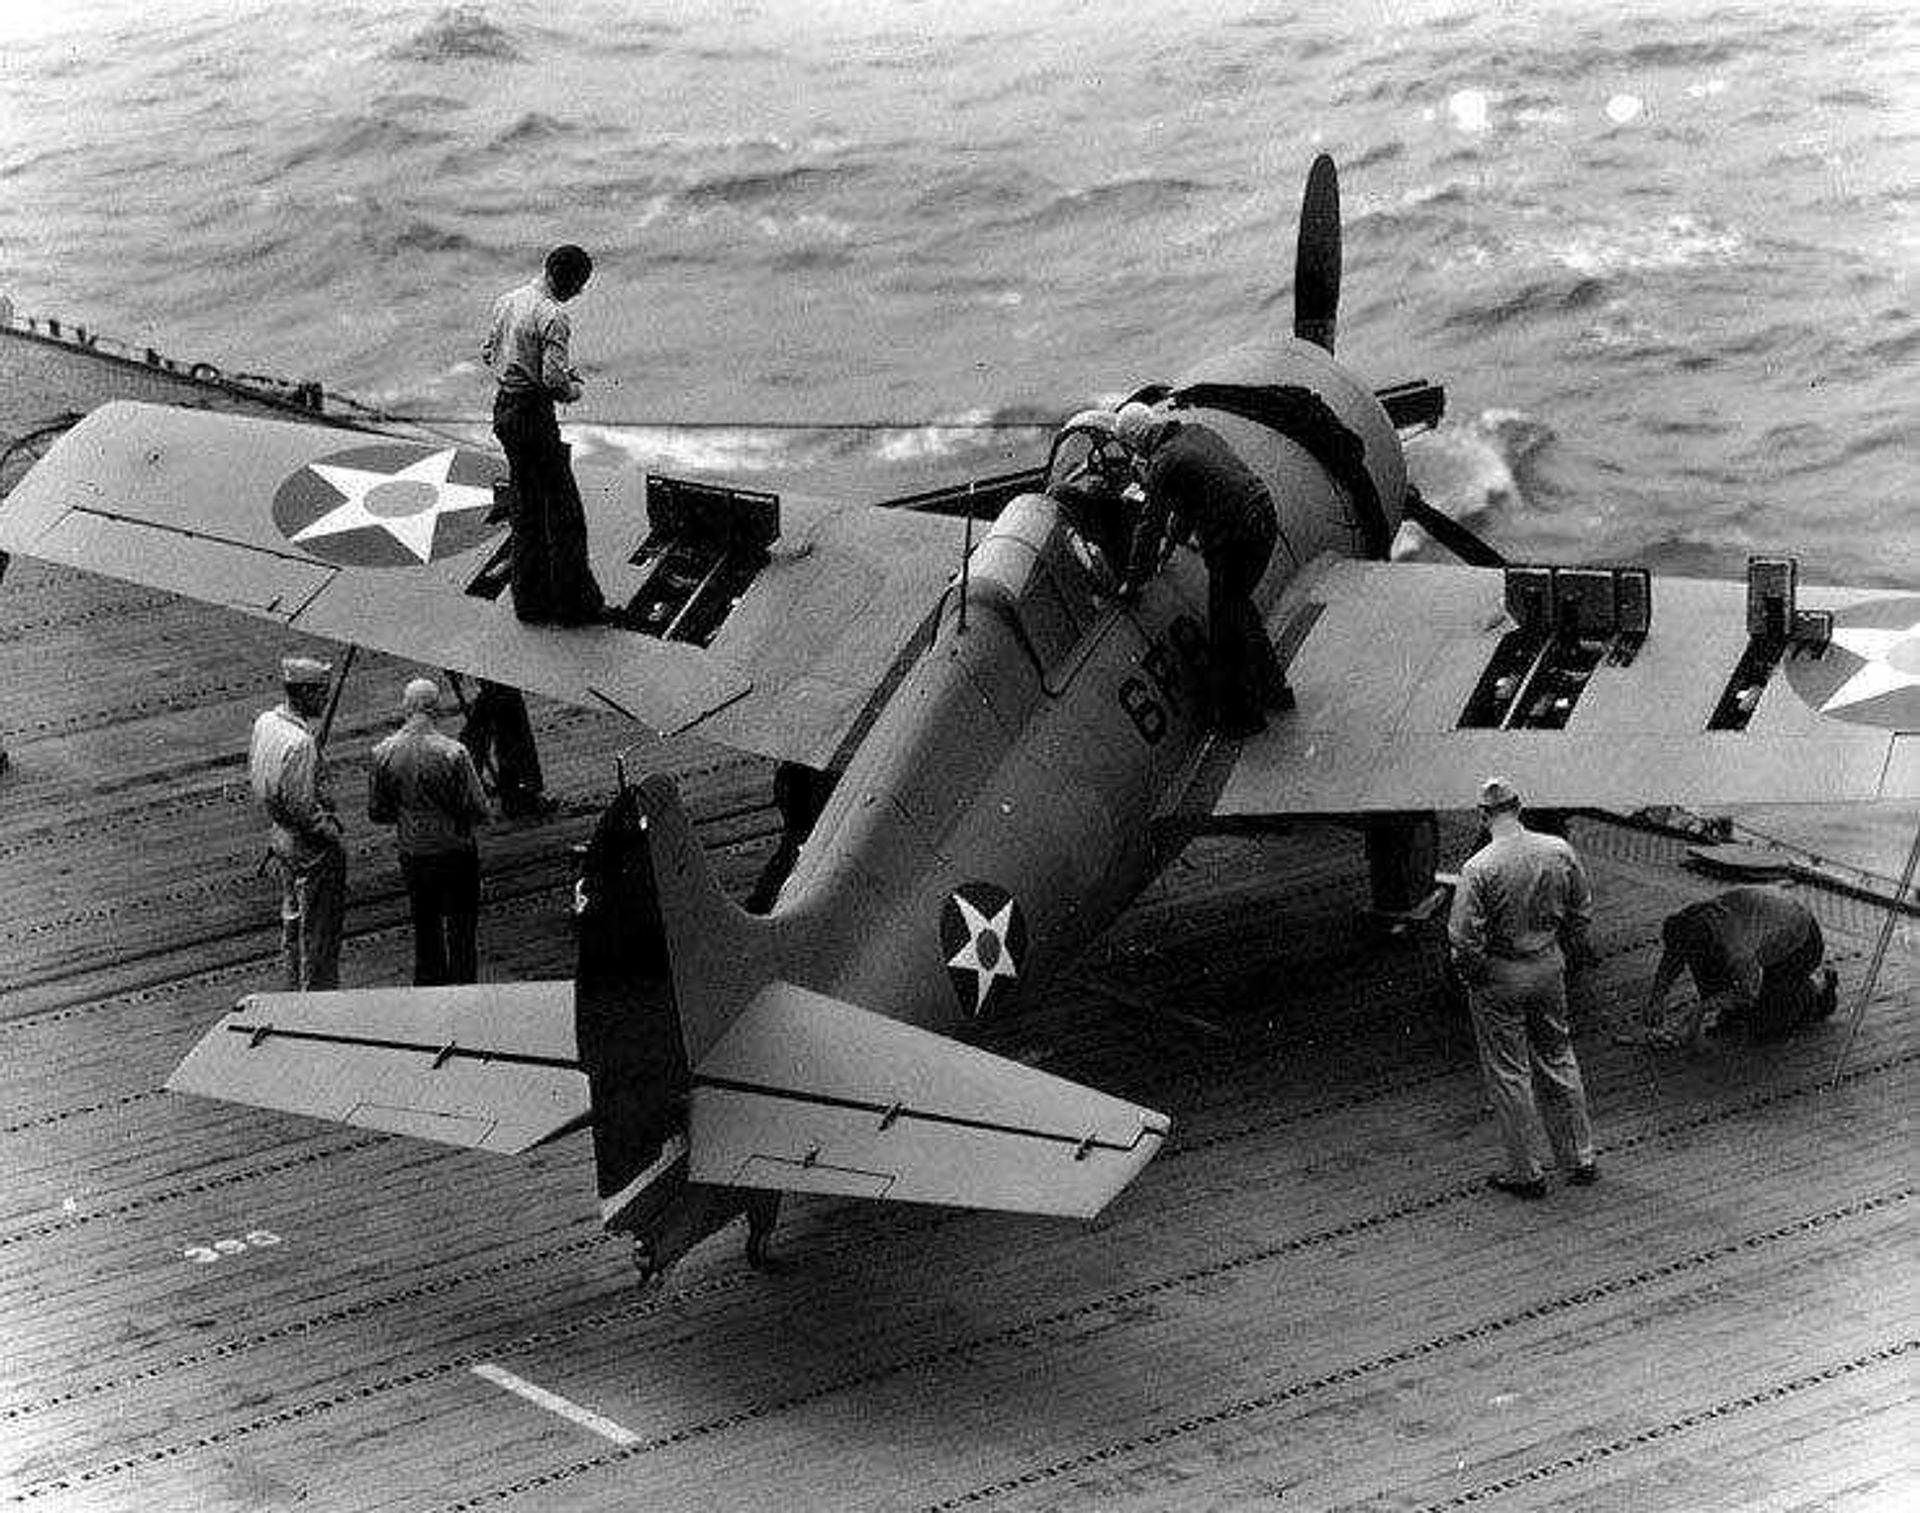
[(1450, 533), (1316, 263)]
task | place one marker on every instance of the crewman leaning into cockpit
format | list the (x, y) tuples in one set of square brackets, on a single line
[(1196, 485), (1090, 477)]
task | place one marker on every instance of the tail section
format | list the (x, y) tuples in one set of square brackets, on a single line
[(717, 1083), (666, 961)]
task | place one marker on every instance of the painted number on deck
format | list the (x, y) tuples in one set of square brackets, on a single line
[(1167, 663), (254, 1239)]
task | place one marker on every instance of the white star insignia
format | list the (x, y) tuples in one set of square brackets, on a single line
[(1890, 660), (985, 954), (407, 505)]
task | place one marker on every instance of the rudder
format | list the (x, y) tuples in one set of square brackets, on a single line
[(666, 961)]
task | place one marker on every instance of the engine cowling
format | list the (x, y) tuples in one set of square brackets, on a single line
[(1303, 422)]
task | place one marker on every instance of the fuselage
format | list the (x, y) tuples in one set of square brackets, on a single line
[(998, 815)]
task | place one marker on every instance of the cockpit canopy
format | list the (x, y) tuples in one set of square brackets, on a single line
[(1090, 475)]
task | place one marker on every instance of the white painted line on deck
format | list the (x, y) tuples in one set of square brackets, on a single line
[(554, 1402)]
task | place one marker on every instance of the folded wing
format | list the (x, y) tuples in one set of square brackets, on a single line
[(1393, 675), (300, 524)]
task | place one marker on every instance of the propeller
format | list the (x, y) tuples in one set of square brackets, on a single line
[(1316, 262)]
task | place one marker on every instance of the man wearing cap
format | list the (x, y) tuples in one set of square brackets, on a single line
[(289, 778), (526, 350), (1520, 897), (1753, 954), (1196, 485), (424, 783)]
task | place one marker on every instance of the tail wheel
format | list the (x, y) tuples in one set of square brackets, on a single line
[(763, 1213), (646, 1262)]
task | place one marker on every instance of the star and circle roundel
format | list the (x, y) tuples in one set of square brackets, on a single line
[(389, 504), (983, 939), (1870, 674)]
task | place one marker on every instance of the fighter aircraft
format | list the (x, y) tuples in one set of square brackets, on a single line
[(1014, 747)]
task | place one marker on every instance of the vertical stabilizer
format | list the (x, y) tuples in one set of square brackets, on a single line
[(666, 963)]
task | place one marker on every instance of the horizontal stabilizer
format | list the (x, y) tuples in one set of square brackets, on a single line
[(489, 1066), (809, 1094)]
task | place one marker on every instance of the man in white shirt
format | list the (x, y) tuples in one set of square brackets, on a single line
[(289, 778), (1519, 897), (526, 350)]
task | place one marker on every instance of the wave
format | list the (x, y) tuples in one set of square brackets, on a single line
[(1678, 241), (809, 259), (974, 190), (1670, 54), (418, 100), (533, 126), (329, 239), (356, 138), (1689, 555), (1535, 298), (1856, 94), (642, 39), (458, 33), (1418, 208), (1369, 157), (678, 449), (416, 234), (877, 462), (758, 187), (1474, 471), (1116, 200)]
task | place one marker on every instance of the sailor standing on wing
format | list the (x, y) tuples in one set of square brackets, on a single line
[(527, 352)]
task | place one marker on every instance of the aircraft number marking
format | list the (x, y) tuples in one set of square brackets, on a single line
[(1167, 663), (255, 1239)]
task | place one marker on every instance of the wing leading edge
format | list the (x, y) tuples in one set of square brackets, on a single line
[(1392, 655), (260, 516)]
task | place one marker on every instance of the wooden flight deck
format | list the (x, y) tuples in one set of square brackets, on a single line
[(1308, 1301)]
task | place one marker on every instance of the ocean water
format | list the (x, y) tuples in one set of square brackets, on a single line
[(1662, 255)]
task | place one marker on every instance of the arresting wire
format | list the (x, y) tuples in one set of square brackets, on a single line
[(668, 423)]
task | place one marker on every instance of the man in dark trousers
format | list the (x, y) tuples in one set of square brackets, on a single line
[(1197, 485), (1753, 953), (1520, 897), (497, 729), (289, 776), (527, 352), (424, 783)]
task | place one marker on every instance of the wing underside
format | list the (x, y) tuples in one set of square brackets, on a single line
[(1413, 683)]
